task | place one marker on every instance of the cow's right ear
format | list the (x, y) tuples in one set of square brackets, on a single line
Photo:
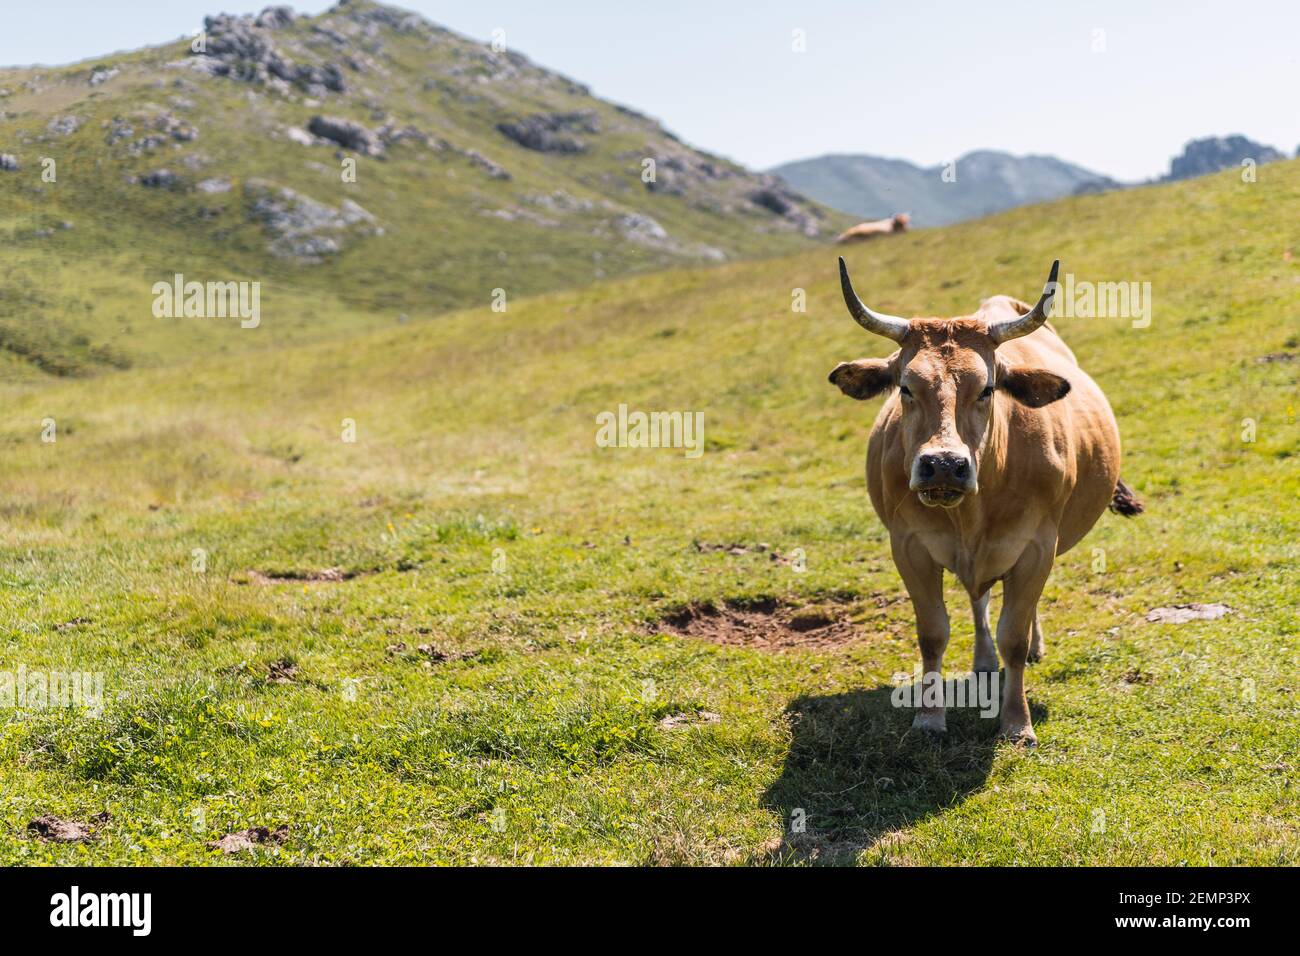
[(863, 379)]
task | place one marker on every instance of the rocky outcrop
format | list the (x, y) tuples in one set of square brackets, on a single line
[(552, 132), (637, 227), (301, 228), (159, 179), (159, 130), (348, 134), (1201, 157), (494, 170), (780, 200), (64, 125), (241, 47)]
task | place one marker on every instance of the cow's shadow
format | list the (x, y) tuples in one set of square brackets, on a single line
[(856, 775)]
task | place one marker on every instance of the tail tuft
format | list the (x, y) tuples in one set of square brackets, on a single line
[(1125, 502)]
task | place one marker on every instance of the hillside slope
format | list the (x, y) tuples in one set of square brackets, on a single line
[(986, 181), (363, 157), (457, 637)]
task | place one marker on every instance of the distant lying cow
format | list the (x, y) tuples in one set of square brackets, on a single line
[(993, 453), (869, 230)]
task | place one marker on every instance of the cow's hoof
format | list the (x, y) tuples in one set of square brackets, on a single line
[(930, 723), (1020, 736), (1036, 654)]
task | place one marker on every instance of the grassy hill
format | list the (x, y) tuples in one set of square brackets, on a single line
[(459, 638), (473, 170)]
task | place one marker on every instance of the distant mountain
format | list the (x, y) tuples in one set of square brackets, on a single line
[(1201, 157), (985, 181)]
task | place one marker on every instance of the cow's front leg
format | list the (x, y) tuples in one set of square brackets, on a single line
[(923, 579), (986, 655), (1021, 589)]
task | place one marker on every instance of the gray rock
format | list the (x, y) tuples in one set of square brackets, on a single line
[(485, 164), (275, 18), (215, 185), (552, 132), (302, 228), (348, 134), (64, 125), (240, 47), (637, 227), (8, 162), (159, 179)]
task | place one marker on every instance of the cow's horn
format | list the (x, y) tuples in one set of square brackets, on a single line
[(1009, 329), (890, 326)]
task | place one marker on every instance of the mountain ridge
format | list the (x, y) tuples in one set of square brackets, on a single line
[(978, 183)]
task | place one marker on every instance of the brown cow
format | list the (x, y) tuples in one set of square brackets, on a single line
[(993, 454), (899, 222)]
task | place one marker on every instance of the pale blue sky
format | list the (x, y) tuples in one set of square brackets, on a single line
[(925, 81)]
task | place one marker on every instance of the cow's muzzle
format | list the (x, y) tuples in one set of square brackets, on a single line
[(943, 479)]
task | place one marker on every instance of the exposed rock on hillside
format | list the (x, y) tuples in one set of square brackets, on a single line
[(552, 132), (302, 228), (346, 133), (241, 47)]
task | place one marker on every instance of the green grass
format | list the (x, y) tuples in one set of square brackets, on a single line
[(475, 513)]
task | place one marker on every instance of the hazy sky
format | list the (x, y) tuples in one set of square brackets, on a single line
[(1114, 85)]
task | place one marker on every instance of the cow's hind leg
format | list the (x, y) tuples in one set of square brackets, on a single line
[(923, 579), (1037, 649), (986, 655), (1021, 588)]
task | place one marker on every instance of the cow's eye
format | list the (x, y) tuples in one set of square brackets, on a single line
[(986, 394), (905, 391)]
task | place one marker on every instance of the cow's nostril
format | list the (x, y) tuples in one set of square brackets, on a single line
[(926, 468), (961, 468)]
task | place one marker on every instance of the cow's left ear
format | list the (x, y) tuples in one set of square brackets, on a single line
[(1034, 387), (863, 379)]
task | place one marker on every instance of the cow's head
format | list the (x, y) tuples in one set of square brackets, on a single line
[(948, 374)]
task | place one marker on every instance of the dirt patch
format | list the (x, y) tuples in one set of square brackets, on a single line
[(281, 672), (737, 549), (428, 654), (280, 577), (1272, 357), (705, 547), (767, 625), (1182, 613), (242, 840), (57, 830), (688, 719)]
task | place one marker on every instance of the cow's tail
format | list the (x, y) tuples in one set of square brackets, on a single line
[(1125, 502)]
